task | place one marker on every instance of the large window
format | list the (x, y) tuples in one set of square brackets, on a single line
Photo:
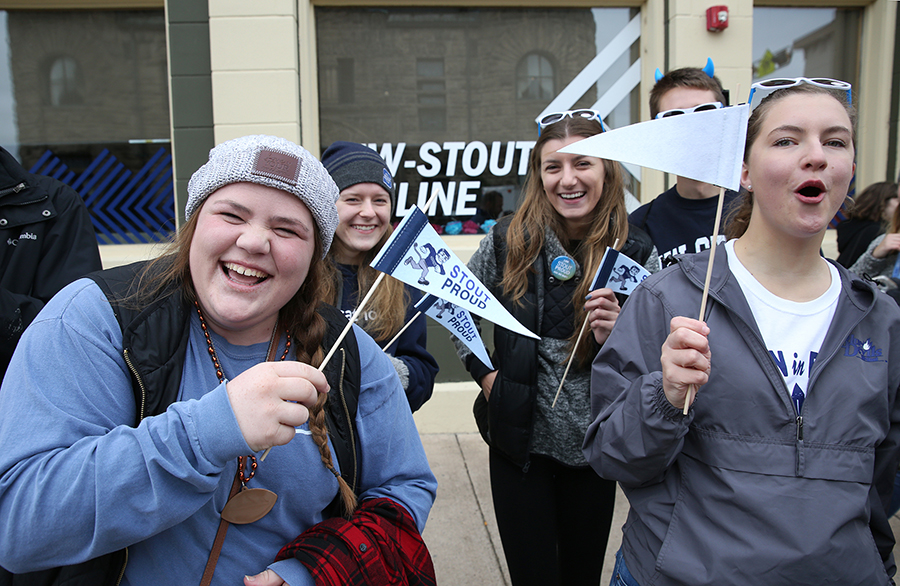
[(534, 78), (806, 42), (449, 96), (84, 97)]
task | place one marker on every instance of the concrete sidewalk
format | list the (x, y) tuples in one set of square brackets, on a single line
[(461, 532)]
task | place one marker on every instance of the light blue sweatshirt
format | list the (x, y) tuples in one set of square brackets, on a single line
[(78, 481)]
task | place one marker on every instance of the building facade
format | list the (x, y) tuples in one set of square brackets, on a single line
[(447, 92), (125, 97)]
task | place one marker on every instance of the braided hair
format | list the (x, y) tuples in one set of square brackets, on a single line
[(170, 272)]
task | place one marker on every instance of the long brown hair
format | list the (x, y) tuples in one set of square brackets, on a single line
[(171, 272), (739, 219), (389, 301), (525, 237)]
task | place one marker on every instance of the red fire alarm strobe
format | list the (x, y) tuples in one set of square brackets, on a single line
[(716, 18)]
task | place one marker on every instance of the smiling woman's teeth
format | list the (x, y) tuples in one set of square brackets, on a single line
[(571, 195), (245, 271), (364, 228)]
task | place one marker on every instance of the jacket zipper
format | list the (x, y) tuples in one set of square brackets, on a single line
[(134, 371), (139, 380), (798, 417), (13, 189), (122, 571), (347, 415)]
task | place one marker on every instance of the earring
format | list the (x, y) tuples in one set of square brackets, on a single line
[(749, 187)]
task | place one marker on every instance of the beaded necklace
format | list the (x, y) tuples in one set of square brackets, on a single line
[(250, 504)]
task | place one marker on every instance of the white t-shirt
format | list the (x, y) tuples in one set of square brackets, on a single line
[(792, 331)]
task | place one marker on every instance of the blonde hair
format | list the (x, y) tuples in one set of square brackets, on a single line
[(525, 237), (389, 301)]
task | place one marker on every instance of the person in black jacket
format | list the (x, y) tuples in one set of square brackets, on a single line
[(681, 219), (47, 241), (868, 214), (552, 511), (364, 210)]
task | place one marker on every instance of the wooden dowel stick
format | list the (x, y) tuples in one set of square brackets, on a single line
[(689, 397), (568, 364), (615, 246), (403, 329)]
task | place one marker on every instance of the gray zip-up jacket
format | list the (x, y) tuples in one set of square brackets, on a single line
[(744, 490)]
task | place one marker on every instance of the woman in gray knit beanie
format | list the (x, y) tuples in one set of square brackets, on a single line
[(144, 399), (365, 207)]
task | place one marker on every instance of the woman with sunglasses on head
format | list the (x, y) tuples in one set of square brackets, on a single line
[(780, 471), (364, 212), (141, 401), (553, 512)]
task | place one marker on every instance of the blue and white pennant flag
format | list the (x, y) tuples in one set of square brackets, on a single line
[(416, 255), (458, 321), (618, 272)]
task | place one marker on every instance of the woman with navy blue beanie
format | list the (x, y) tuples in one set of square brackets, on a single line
[(365, 207)]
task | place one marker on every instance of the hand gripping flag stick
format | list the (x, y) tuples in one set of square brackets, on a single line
[(577, 340), (705, 146), (689, 396), (356, 313), (340, 338)]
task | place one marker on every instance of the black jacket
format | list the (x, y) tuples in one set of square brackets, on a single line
[(507, 421), (854, 237), (154, 345), (46, 242)]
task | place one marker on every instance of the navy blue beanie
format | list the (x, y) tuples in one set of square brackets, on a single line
[(350, 163)]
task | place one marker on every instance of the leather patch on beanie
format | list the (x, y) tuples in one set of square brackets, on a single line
[(277, 165)]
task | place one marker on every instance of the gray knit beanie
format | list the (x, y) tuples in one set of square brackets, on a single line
[(273, 162), (350, 163)]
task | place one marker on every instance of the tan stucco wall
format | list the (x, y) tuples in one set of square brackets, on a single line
[(255, 68)]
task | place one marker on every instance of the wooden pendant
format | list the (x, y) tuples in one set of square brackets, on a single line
[(249, 505)]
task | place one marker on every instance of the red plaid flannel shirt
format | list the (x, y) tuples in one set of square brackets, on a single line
[(380, 545)]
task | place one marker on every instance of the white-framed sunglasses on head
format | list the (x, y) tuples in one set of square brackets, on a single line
[(767, 86), (554, 117), (698, 108)]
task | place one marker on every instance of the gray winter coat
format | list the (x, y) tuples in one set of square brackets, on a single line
[(742, 490)]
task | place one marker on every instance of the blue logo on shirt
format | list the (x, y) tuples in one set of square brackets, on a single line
[(865, 351)]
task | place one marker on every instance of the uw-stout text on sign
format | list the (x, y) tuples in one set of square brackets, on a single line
[(451, 159)]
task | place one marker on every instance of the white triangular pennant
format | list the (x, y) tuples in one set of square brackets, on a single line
[(706, 146), (458, 321)]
